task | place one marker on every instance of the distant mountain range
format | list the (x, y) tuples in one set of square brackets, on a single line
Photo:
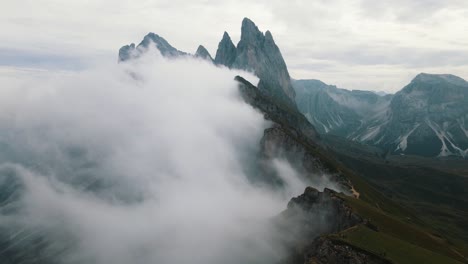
[(428, 117)]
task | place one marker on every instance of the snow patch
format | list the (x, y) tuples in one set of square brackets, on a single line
[(404, 139), (461, 122), (373, 131), (442, 134)]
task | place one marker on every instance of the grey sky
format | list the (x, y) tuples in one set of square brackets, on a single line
[(355, 44)]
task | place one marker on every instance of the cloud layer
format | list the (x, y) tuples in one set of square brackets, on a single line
[(142, 162)]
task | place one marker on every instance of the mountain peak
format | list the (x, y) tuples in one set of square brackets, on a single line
[(203, 53), (126, 52), (250, 32), (162, 45), (151, 39), (226, 37), (439, 78), (268, 36), (226, 53)]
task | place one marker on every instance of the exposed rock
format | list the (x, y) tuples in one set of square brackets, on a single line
[(203, 53), (226, 53), (277, 111), (125, 52), (326, 251), (337, 111), (130, 51), (428, 117), (258, 53), (330, 208), (307, 221)]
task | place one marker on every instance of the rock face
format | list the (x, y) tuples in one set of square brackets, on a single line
[(130, 51), (292, 138), (337, 111), (258, 53), (226, 53), (203, 53), (281, 114), (125, 52), (333, 211), (307, 221), (326, 251), (428, 117)]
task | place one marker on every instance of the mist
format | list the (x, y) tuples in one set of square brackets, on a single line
[(139, 162)]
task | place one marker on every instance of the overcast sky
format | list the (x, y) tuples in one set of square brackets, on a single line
[(354, 44)]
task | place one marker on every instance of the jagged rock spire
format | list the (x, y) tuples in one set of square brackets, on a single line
[(203, 53), (258, 53), (226, 53)]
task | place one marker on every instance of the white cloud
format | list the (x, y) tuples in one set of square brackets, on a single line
[(135, 163)]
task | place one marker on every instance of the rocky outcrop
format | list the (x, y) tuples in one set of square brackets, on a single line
[(332, 210), (291, 138), (308, 220), (326, 251), (257, 52), (126, 52), (151, 40), (203, 53), (277, 111), (226, 53)]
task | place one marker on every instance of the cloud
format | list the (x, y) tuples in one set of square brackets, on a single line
[(348, 33), (140, 162)]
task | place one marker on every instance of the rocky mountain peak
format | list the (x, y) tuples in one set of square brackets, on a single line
[(226, 53), (250, 32), (162, 45), (203, 53), (258, 53), (439, 78), (125, 52), (150, 40)]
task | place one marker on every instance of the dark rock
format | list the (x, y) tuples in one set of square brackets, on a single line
[(125, 52), (307, 221), (151, 40), (203, 53), (258, 53), (226, 53), (326, 251), (428, 117)]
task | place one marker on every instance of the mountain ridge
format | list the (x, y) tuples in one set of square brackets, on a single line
[(427, 117)]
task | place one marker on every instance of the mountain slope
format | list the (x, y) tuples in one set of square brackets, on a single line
[(428, 117), (337, 111)]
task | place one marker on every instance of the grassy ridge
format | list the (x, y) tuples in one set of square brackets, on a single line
[(389, 247), (401, 229)]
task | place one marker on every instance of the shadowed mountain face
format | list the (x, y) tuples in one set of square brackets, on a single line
[(428, 117), (226, 53), (337, 111), (203, 53), (126, 52)]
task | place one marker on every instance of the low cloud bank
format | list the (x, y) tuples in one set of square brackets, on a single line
[(141, 162)]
